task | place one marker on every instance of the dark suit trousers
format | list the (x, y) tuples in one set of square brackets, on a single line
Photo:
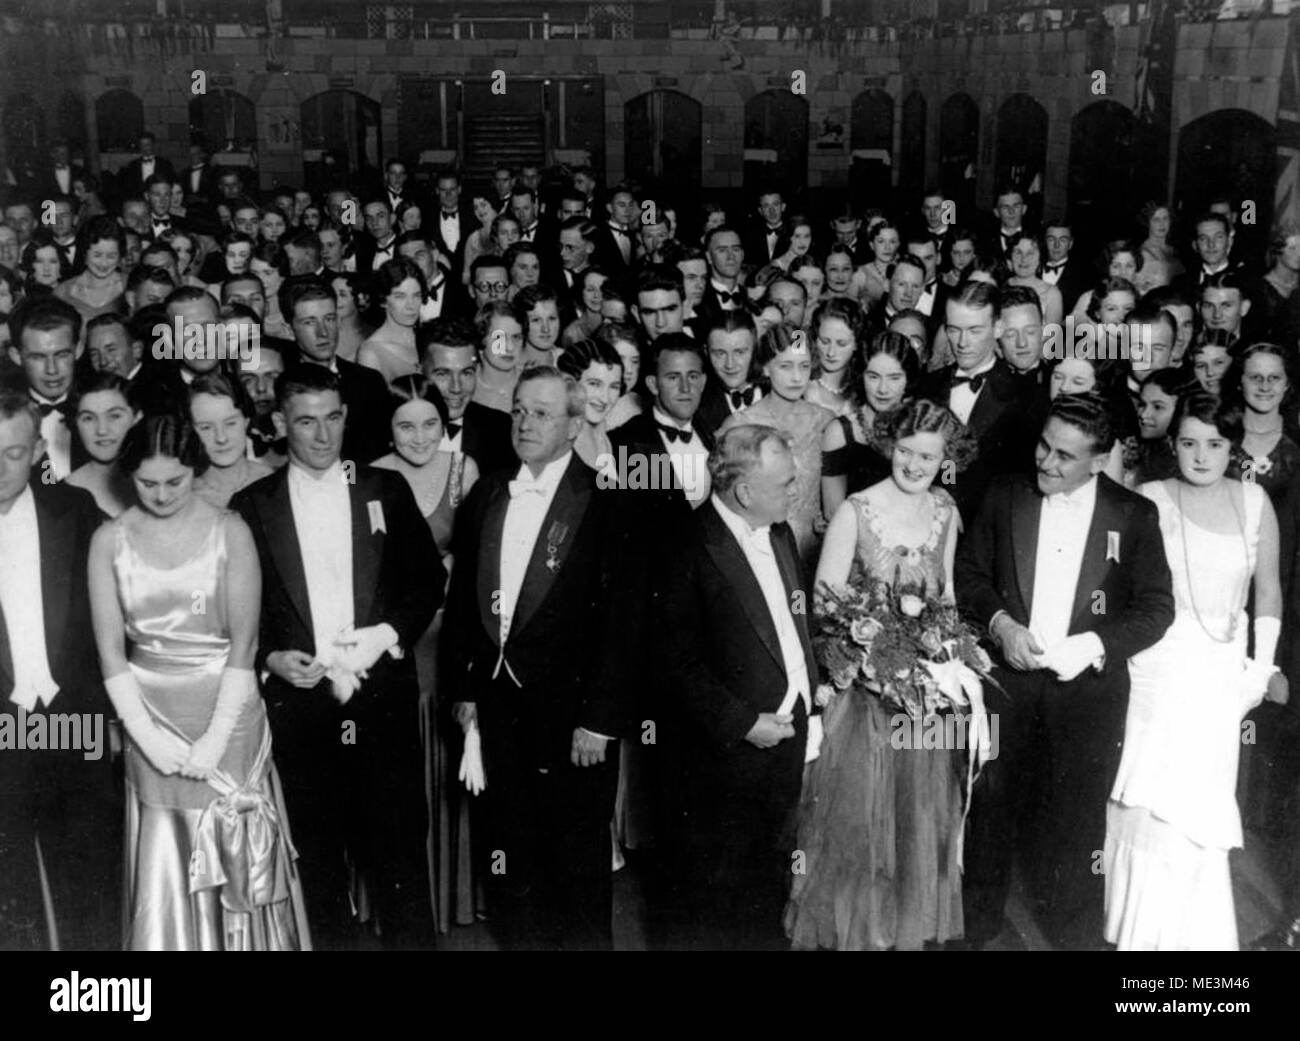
[(547, 843), (732, 826), (353, 781)]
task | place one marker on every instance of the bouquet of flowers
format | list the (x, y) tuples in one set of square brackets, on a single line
[(898, 641)]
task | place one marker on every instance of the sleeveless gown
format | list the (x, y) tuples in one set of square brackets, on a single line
[(210, 864), (880, 826), (1173, 813)]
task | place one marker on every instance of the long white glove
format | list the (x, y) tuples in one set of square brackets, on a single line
[(164, 750), (1260, 669), (815, 734), (359, 649), (1073, 655), (238, 687), (471, 761)]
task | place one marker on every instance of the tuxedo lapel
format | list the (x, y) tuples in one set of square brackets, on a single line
[(367, 545), (555, 542), (734, 565), (1026, 509), (787, 561), (6, 660), (1092, 571), (489, 561), (55, 534), (282, 541)]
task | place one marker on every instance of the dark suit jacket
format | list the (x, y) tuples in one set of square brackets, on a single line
[(46, 184), (432, 223), (486, 437), (397, 575), (71, 803), (996, 422), (567, 645), (996, 561), (130, 183), (719, 659), (714, 409), (207, 189), (755, 242), (364, 247), (1077, 277), (607, 254), (638, 439)]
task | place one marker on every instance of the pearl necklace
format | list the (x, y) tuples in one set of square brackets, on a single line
[(821, 382)]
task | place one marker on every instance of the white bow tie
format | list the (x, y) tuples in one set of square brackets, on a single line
[(518, 488)]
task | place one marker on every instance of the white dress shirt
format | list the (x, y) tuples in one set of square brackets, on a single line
[(530, 499), (147, 167), (453, 444), (925, 302), (322, 517), (449, 226), (383, 254), (726, 303), (23, 603), (63, 176), (432, 308), (622, 239), (756, 543), (689, 459), (57, 435), (961, 400), (196, 178), (1062, 533), (1052, 272)]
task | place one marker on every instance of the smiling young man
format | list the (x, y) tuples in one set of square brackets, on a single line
[(730, 341), (1043, 552), (44, 333)]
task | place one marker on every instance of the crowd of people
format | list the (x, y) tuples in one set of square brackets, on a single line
[(493, 565)]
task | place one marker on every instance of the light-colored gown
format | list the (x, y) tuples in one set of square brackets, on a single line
[(210, 864), (880, 826), (1173, 813)]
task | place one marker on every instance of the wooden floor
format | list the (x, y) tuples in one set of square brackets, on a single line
[(1255, 890)]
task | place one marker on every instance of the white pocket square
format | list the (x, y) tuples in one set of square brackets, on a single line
[(1112, 546), (376, 511)]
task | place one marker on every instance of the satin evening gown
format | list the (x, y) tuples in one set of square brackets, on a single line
[(880, 826), (210, 865)]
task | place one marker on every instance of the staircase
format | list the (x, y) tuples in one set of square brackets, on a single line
[(501, 140)]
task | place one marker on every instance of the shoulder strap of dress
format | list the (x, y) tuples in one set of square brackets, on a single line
[(1254, 496)]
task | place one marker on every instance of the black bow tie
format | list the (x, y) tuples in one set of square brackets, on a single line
[(975, 381), (741, 398), (735, 296), (675, 433), (164, 222), (450, 215), (453, 429), (46, 407), (620, 231), (1054, 267)]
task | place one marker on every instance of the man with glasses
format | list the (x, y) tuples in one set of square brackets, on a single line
[(311, 306), (489, 280), (535, 661), (979, 389)]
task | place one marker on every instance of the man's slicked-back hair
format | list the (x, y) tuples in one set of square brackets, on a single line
[(305, 379), (299, 289), (1089, 413), (656, 278), (446, 332), (1021, 296), (44, 314), (978, 295)]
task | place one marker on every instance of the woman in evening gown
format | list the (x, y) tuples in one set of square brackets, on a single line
[(439, 481), (1173, 816), (880, 826), (210, 861)]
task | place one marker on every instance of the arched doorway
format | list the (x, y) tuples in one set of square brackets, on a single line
[(1101, 173), (119, 121), (1230, 153), (872, 143), (71, 123), (662, 136), (776, 142), (959, 137), (342, 144), (911, 148), (223, 120), (1022, 145)]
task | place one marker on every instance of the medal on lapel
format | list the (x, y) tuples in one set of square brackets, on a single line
[(554, 539)]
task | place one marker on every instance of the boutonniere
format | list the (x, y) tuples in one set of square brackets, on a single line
[(376, 510), (1112, 546), (554, 539)]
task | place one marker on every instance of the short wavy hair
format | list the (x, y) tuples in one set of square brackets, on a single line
[(922, 416), (738, 451)]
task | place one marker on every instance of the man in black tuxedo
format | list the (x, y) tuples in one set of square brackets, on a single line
[(1020, 345), (451, 222), (730, 343), (199, 179), (67, 799), (56, 177), (845, 226), (979, 389), (769, 237), (1071, 275), (351, 579), (397, 188), (533, 655), (1010, 220), (311, 306), (725, 290), (135, 175), (936, 223), (615, 239), (736, 674), (906, 283), (1213, 247), (449, 353), (664, 441), (44, 333), (378, 244), (1066, 571)]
